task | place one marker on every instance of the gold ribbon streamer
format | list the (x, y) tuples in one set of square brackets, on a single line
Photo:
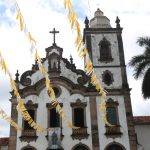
[(20, 106), (8, 119), (83, 52), (33, 43)]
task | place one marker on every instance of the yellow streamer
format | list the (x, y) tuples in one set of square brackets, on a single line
[(31, 38), (8, 119), (21, 106), (68, 5), (89, 67)]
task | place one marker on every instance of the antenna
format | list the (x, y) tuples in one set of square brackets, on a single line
[(89, 8), (98, 4)]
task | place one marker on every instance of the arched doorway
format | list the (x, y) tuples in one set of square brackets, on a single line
[(28, 148), (80, 147), (115, 147)]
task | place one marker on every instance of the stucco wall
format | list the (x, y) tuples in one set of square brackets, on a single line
[(143, 136), (124, 139), (66, 98)]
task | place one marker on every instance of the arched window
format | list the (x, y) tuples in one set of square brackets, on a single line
[(113, 118), (112, 114), (80, 148), (114, 147), (28, 132), (26, 125), (28, 148), (54, 119), (79, 120), (105, 50)]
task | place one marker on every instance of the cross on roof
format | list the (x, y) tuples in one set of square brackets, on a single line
[(54, 32)]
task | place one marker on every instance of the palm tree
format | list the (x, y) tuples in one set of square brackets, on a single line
[(141, 65)]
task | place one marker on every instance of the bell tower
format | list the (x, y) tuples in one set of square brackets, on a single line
[(105, 48)]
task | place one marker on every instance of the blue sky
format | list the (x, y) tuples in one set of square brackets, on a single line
[(43, 16)]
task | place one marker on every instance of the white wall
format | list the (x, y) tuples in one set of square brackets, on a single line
[(143, 136), (4, 148), (124, 139), (66, 99)]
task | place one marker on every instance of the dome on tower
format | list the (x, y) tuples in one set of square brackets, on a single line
[(99, 20)]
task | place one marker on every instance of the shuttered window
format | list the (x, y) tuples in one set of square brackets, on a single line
[(112, 115)]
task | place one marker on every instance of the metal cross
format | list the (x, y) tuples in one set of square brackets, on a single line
[(54, 32)]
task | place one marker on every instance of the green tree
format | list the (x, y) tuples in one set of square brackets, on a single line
[(141, 65)]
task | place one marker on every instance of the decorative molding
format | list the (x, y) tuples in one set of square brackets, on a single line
[(83, 79), (79, 103), (25, 80), (30, 105), (50, 106), (80, 133), (40, 85), (28, 136), (105, 75), (113, 131)]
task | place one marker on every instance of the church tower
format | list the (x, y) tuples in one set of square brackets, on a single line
[(105, 48)]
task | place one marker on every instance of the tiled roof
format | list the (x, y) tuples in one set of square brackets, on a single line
[(142, 120), (4, 141)]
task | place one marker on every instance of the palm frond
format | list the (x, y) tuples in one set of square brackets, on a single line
[(144, 41), (146, 85), (140, 69), (147, 52), (136, 60)]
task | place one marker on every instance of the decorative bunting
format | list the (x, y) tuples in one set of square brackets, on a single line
[(20, 106), (83, 52), (37, 57), (8, 119)]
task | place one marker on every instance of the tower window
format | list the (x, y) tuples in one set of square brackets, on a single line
[(111, 115), (113, 119), (105, 50)]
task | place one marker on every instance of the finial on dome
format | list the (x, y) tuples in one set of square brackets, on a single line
[(98, 13), (117, 22)]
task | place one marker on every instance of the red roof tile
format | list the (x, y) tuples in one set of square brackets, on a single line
[(4, 141), (141, 120)]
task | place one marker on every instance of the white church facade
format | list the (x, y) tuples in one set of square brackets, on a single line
[(78, 97)]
